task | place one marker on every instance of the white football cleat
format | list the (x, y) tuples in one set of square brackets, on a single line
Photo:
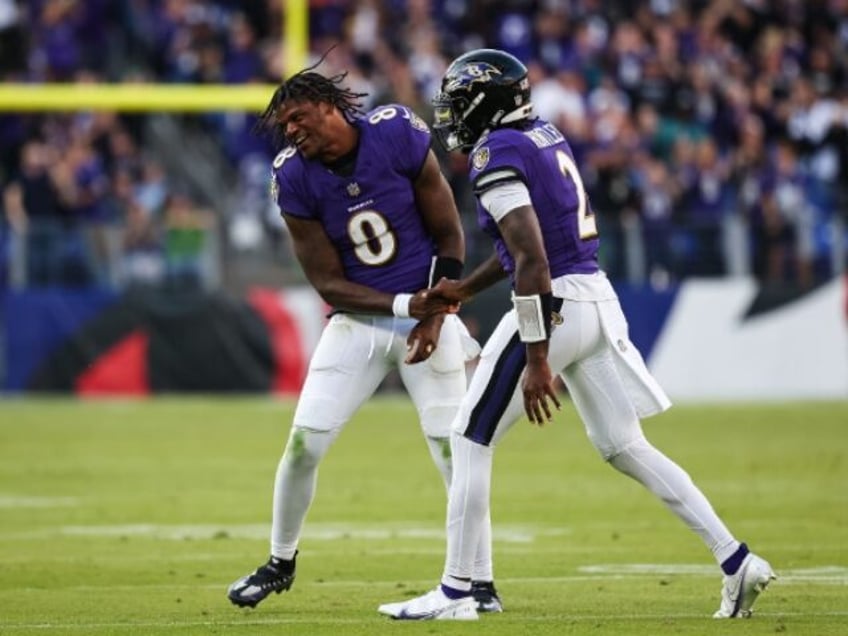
[(740, 590), (432, 606)]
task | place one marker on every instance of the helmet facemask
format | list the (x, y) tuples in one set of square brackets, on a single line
[(478, 95), (450, 121)]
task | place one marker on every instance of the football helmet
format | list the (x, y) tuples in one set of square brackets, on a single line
[(481, 90)]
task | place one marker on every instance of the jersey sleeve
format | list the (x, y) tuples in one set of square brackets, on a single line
[(404, 135), (288, 187), (497, 160)]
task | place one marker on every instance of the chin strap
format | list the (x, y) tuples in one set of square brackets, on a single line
[(522, 112)]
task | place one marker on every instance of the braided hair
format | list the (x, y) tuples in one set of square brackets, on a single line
[(310, 86)]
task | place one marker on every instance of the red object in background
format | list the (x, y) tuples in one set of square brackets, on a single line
[(121, 370), (151, 343), (286, 343)]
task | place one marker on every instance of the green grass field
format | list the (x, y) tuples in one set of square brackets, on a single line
[(133, 517)]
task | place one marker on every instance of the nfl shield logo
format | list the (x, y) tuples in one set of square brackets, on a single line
[(353, 189)]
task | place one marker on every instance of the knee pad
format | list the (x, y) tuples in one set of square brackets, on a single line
[(614, 435), (440, 452), (624, 456), (436, 420), (306, 447)]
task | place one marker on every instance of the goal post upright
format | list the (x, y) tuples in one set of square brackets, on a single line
[(140, 97)]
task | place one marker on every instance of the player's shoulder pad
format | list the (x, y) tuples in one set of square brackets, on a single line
[(496, 147), (288, 175), (495, 142), (507, 137)]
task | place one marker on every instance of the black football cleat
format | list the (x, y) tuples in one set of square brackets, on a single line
[(276, 575), (486, 595)]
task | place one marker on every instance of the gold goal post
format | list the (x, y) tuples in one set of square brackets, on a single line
[(135, 97), (142, 97)]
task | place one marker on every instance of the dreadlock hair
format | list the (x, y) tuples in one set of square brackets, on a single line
[(308, 85)]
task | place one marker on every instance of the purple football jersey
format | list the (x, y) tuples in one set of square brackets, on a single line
[(370, 216), (539, 156)]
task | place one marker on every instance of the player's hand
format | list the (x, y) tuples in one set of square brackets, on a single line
[(423, 339), (449, 291), (539, 393), (424, 304)]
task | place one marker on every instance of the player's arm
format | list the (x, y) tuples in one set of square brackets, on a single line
[(323, 268), (482, 277), (456, 292), (440, 216), (441, 219), (485, 275), (511, 206)]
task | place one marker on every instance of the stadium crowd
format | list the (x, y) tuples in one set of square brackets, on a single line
[(712, 134)]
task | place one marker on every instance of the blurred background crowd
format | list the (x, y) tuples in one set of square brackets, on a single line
[(712, 135)]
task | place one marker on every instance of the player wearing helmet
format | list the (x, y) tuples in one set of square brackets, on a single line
[(372, 220), (566, 319), (482, 90)]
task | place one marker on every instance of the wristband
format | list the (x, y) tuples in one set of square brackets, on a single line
[(400, 305), (533, 314), (444, 267)]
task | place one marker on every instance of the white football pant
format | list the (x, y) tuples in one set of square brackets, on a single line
[(611, 389), (352, 358)]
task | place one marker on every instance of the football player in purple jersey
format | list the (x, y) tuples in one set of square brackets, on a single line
[(372, 221), (565, 320)]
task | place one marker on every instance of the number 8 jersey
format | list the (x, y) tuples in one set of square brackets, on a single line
[(369, 213)]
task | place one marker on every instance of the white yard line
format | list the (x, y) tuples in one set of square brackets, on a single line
[(316, 531), (27, 501), (372, 618), (826, 575)]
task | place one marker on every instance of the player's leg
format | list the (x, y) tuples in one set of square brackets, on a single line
[(490, 406), (344, 371), (436, 387), (606, 407)]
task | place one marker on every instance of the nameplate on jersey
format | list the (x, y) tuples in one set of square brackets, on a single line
[(545, 136)]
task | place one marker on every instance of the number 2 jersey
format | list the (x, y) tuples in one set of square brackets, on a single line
[(538, 155), (370, 215)]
